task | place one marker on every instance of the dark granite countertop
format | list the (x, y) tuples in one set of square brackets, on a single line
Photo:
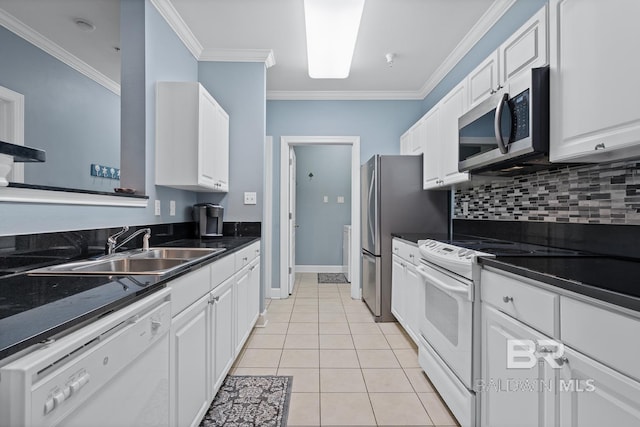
[(36, 308), (609, 279)]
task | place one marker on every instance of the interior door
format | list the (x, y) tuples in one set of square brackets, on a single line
[(292, 219)]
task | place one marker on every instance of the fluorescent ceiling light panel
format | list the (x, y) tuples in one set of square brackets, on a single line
[(332, 29)]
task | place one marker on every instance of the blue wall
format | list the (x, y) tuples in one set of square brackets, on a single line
[(240, 88), (166, 59), (320, 225), (73, 118)]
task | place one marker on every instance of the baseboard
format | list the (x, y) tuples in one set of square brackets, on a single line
[(321, 269), (275, 293)]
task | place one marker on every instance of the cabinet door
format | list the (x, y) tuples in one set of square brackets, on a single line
[(483, 81), (431, 172), (221, 150), (189, 368), (222, 329), (451, 108), (253, 302), (397, 289), (595, 110), (207, 140), (413, 301), (525, 49), (405, 143), (591, 394), (242, 312), (512, 397)]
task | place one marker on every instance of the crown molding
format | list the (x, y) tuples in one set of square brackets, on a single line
[(177, 24), (239, 55), (484, 24), (353, 95), (22, 30)]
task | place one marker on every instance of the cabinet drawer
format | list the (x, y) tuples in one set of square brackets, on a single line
[(406, 251), (245, 255), (533, 306), (222, 269), (604, 335), (187, 289)]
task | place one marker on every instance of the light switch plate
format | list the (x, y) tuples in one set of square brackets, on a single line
[(340, 199), (157, 208), (250, 197), (172, 208), (325, 199)]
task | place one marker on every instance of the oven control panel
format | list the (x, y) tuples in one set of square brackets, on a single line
[(450, 257)]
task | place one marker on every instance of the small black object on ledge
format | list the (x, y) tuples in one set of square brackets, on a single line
[(22, 153)]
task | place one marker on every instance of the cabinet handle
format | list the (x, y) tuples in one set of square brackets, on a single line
[(507, 299), (411, 256), (562, 361), (499, 87), (492, 92), (214, 300), (600, 146), (245, 259)]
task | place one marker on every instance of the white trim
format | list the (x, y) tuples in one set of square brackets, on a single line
[(285, 143), (239, 55), (275, 293), (19, 28), (321, 269), (497, 9), (267, 218), (13, 120), (29, 195), (177, 24)]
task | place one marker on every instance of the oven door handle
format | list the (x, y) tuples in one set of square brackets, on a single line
[(462, 290)]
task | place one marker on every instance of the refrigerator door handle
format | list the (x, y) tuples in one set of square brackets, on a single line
[(372, 220)]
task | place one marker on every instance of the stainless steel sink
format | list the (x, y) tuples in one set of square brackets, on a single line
[(155, 261)]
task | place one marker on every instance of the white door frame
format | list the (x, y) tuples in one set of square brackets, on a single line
[(289, 141)]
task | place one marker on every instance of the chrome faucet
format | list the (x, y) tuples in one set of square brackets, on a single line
[(111, 240)]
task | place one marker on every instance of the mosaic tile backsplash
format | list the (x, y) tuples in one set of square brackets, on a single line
[(595, 194)]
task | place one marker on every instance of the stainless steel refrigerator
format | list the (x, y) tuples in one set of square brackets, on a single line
[(393, 201)]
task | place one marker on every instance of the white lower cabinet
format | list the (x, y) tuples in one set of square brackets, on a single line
[(593, 395), (213, 312), (221, 317), (188, 358), (512, 396), (406, 299), (582, 374)]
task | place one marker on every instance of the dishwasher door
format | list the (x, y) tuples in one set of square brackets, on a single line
[(112, 372)]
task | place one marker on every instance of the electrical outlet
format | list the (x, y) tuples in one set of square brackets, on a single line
[(465, 208), (250, 197), (172, 208), (157, 208), (325, 199)]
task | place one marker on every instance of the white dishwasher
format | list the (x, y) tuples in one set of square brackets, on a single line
[(112, 372)]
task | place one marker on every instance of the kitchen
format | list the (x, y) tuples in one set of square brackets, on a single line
[(245, 101)]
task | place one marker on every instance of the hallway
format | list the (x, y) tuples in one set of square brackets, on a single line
[(347, 369)]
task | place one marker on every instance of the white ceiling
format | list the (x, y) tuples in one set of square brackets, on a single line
[(427, 37)]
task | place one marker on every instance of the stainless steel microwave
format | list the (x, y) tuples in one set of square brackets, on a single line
[(508, 134)]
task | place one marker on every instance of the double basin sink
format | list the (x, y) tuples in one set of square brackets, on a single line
[(154, 261)]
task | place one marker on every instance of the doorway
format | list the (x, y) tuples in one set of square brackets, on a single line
[(287, 199)]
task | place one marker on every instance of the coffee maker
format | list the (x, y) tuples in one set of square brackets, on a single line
[(208, 219)]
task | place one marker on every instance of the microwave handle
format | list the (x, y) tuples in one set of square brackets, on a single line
[(498, 124)]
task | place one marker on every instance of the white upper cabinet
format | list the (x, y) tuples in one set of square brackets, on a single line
[(192, 138), (525, 49), (483, 81), (451, 108), (595, 107), (432, 148), (412, 141)]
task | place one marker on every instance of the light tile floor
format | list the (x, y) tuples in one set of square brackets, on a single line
[(347, 369)]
